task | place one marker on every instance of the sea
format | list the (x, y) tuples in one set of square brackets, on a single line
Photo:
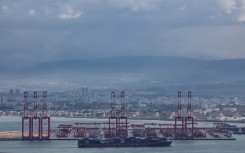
[(70, 146)]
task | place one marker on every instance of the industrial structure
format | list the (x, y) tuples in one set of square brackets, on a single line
[(189, 120), (45, 119), (118, 125), (184, 123), (26, 120), (122, 119), (37, 125), (35, 120), (118, 121), (113, 118), (179, 120), (34, 126)]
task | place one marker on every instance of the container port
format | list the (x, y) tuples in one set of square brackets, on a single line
[(184, 127)]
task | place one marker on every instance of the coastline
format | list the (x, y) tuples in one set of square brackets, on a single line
[(131, 118)]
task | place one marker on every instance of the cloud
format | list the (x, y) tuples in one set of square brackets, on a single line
[(234, 7), (119, 28), (228, 5), (4, 8), (183, 8), (32, 12), (68, 13), (135, 5), (241, 18)]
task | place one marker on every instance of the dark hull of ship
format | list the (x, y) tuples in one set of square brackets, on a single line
[(142, 144)]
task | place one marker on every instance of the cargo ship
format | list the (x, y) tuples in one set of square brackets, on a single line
[(116, 134), (127, 142)]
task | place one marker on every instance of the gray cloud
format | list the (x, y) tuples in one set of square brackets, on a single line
[(67, 29)]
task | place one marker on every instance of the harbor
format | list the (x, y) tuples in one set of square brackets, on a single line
[(183, 127)]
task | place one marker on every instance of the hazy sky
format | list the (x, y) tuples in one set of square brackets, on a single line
[(47, 30)]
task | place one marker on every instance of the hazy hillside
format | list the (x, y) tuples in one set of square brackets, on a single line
[(151, 68), (134, 72)]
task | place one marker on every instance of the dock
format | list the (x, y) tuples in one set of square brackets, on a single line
[(16, 136)]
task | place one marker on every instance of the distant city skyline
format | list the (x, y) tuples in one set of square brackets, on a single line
[(40, 31)]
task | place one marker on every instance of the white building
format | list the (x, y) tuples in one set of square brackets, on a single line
[(229, 109)]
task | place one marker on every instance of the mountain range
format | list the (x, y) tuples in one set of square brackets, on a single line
[(136, 71)]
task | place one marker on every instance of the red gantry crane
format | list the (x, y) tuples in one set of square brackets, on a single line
[(179, 120), (45, 119), (26, 120), (189, 119), (36, 120)]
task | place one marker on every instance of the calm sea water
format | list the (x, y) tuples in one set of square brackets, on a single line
[(237, 146), (178, 146)]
